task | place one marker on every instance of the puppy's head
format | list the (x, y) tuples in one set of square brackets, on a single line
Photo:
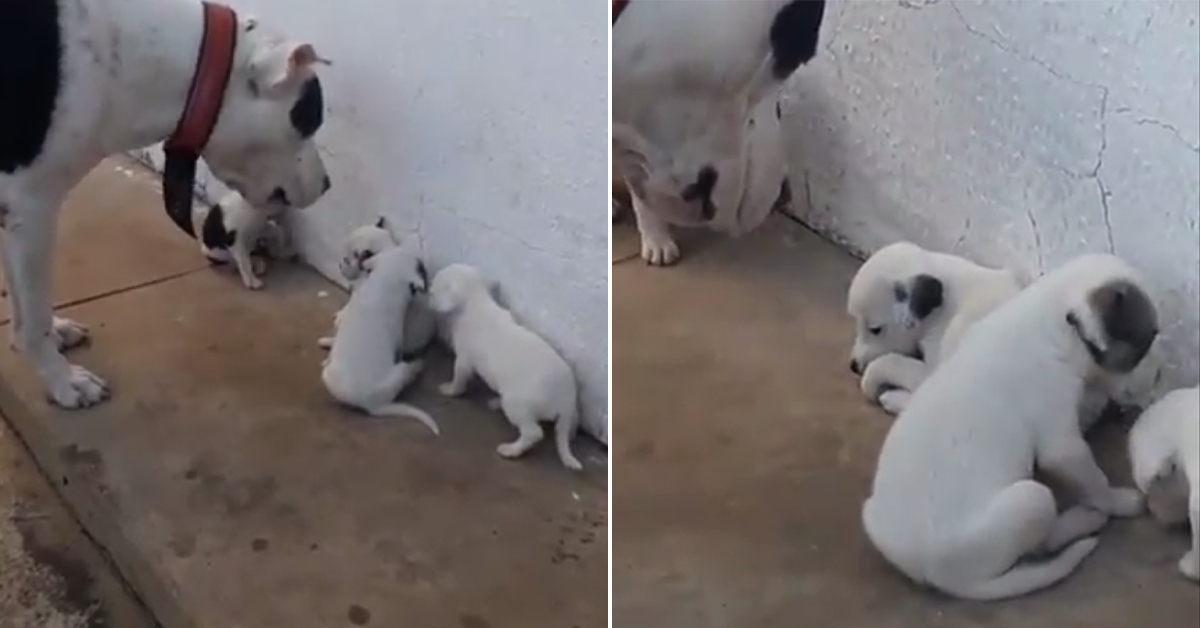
[(455, 285), (262, 145), (891, 297), (1112, 316), (363, 244)]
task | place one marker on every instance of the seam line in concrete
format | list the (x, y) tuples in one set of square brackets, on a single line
[(115, 291)]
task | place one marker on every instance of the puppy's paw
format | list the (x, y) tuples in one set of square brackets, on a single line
[(68, 334), (449, 389), (510, 450), (252, 283), (659, 249), (259, 266), (80, 389), (894, 401), (1125, 502), (1189, 566), (325, 342)]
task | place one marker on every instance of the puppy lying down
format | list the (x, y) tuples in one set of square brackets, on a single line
[(232, 230), (910, 307), (1164, 449), (363, 244), (533, 382), (954, 504), (361, 370)]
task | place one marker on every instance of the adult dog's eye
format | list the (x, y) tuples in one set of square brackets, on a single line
[(876, 330)]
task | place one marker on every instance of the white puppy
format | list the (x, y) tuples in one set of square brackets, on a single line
[(363, 244), (231, 230), (1164, 449), (361, 369), (910, 307), (954, 504), (533, 381)]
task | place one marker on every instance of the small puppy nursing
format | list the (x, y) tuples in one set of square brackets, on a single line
[(954, 504), (232, 230)]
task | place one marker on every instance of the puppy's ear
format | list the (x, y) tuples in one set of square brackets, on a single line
[(1117, 326), (923, 294), (381, 223)]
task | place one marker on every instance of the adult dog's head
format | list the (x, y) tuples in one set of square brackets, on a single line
[(262, 145), (363, 244), (1108, 310), (891, 298), (455, 285)]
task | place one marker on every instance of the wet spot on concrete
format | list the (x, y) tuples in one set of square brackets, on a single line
[(76, 595), (72, 454), (471, 620), (358, 615), (183, 545), (260, 545), (191, 474), (642, 450)]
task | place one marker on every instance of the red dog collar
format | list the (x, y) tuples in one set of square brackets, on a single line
[(617, 7), (214, 65)]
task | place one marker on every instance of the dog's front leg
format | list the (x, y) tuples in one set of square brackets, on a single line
[(1069, 458), (27, 248), (245, 265), (658, 248), (458, 382), (893, 371)]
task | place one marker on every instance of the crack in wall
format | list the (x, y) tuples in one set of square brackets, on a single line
[(1037, 241), (1170, 128)]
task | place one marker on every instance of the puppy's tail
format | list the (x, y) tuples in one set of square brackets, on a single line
[(411, 411), (564, 430), (1027, 578)]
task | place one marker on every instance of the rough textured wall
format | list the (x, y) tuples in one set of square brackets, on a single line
[(478, 127), (1018, 133)]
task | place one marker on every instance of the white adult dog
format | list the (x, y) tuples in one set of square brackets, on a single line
[(84, 79), (954, 505), (361, 370), (363, 244), (230, 231), (533, 381), (695, 114), (911, 307), (1164, 449)]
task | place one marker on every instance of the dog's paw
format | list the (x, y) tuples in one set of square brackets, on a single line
[(80, 389), (69, 334), (325, 342), (659, 250), (252, 283), (259, 266), (894, 401), (510, 450), (1189, 566), (1125, 502), (449, 389)]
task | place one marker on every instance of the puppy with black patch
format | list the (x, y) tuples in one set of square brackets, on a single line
[(533, 381), (1164, 450), (233, 230), (910, 307), (954, 504), (361, 370), (363, 244)]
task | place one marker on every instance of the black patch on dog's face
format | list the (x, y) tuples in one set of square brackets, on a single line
[(379, 224), (923, 295), (1128, 320), (31, 63), (279, 197), (794, 35), (212, 233), (701, 190), (308, 114)]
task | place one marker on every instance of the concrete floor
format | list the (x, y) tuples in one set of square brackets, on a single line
[(234, 494), (744, 450)]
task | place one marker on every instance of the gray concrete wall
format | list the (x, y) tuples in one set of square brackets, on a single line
[(1019, 133)]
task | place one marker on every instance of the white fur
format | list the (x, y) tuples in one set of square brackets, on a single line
[(533, 381), (250, 224), (954, 504), (361, 369), (127, 67), (363, 244), (691, 87), (886, 333), (1164, 450)]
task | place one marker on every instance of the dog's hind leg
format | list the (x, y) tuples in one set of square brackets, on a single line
[(979, 563), (526, 423), (27, 247), (1189, 565), (397, 379), (1074, 524), (459, 380), (564, 431), (1067, 457)]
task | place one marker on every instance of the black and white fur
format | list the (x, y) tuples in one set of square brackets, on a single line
[(695, 113), (84, 79), (361, 369), (954, 504), (1164, 451), (233, 230), (533, 381)]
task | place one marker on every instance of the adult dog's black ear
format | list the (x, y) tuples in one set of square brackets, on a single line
[(381, 223), (1126, 321), (923, 295)]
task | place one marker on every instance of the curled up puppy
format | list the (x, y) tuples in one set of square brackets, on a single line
[(361, 370), (363, 244), (1164, 450), (533, 381), (910, 307), (234, 230), (954, 504)]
